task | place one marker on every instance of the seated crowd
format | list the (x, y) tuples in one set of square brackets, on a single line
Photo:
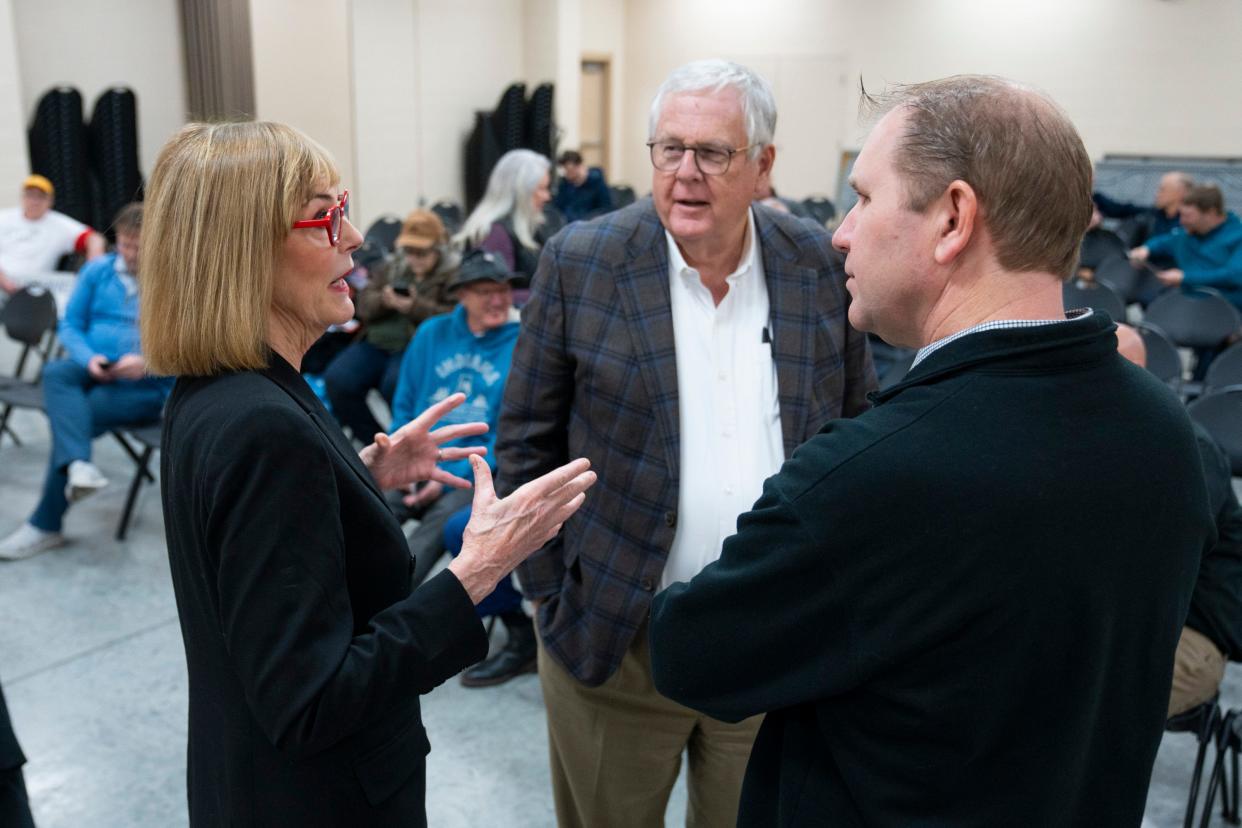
[(440, 314)]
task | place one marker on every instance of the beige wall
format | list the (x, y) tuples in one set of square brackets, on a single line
[(13, 162), (604, 24), (421, 70), (1137, 76), (303, 72), (134, 43)]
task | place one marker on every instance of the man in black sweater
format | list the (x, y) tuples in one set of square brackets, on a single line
[(959, 608)]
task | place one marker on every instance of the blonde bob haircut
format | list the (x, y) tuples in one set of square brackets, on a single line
[(220, 203)]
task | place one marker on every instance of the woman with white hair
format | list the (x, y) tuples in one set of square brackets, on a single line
[(506, 221)]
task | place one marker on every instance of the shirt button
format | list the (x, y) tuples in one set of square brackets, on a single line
[(728, 490), (670, 518), (722, 377), (647, 584)]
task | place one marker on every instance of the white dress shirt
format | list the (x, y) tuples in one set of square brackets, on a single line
[(730, 423)]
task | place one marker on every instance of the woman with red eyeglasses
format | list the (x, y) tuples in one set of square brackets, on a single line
[(306, 649)]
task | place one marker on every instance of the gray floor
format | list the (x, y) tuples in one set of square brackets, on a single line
[(92, 665)]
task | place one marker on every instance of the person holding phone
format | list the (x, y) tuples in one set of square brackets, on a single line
[(307, 650), (400, 293), (102, 385)]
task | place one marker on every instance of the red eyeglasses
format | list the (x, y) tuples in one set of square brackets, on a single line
[(332, 222)]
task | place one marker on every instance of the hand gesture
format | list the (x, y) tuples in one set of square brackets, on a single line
[(411, 453), (99, 373), (129, 367), (1171, 277), (1139, 255), (503, 533), (395, 301)]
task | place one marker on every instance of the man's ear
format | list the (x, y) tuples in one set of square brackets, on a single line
[(767, 157), (956, 214)]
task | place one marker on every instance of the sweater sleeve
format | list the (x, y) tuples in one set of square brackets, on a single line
[(77, 319), (1117, 209), (284, 607), (1227, 276), (533, 434), (1160, 245), (405, 398)]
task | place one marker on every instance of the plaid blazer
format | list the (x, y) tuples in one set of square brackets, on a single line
[(594, 375)]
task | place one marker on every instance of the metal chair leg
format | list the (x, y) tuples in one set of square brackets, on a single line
[(139, 476), (1216, 777), (1205, 737)]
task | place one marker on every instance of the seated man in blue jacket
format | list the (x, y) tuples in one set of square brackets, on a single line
[(1207, 248), (582, 192), (101, 386), (467, 350)]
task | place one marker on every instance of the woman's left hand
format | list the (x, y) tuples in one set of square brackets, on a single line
[(412, 452)]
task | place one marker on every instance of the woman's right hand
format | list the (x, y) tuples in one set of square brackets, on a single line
[(503, 533)]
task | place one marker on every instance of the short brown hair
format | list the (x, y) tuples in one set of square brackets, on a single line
[(1206, 197), (128, 219), (221, 201), (1016, 149)]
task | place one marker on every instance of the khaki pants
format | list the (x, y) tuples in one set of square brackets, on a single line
[(1198, 669), (616, 750)]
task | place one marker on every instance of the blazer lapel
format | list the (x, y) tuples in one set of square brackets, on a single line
[(291, 382), (791, 301), (643, 287)]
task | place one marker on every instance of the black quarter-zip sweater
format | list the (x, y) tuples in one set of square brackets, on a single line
[(959, 608)]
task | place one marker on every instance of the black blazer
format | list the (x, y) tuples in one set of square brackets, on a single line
[(11, 756), (306, 650)]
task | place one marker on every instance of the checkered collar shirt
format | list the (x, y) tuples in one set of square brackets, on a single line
[(997, 324)]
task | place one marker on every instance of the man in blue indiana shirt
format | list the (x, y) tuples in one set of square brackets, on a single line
[(101, 386)]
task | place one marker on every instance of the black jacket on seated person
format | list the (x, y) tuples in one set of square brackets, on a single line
[(306, 650), (959, 608), (1216, 605)]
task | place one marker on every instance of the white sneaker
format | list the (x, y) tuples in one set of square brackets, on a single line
[(85, 479), (29, 541)]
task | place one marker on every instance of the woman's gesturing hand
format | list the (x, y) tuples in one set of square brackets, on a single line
[(411, 453), (502, 533)]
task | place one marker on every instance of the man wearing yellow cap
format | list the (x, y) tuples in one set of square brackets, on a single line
[(33, 236)]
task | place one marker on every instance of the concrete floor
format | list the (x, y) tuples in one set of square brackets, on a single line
[(93, 669)]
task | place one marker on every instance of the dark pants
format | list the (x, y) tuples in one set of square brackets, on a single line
[(79, 410), (14, 807), (351, 375)]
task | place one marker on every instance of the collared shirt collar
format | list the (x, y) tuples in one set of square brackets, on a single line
[(930, 348), (745, 264)]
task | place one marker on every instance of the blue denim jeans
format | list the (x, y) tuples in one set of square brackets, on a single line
[(505, 598), (350, 375), (79, 410)]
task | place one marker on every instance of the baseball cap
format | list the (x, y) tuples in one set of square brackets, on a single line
[(422, 229), (39, 182), (482, 266)]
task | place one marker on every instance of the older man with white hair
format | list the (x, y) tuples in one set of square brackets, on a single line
[(686, 344)]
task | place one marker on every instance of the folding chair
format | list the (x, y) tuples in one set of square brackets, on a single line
[(1078, 293), (1204, 722), (29, 318), (145, 442)]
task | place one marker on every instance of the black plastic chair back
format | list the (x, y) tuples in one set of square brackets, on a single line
[(1225, 369), (1195, 318), (1163, 359), (1220, 412), (450, 214), (384, 231), (29, 315), (622, 196), (1095, 295), (1120, 275), (1097, 245), (820, 208)]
